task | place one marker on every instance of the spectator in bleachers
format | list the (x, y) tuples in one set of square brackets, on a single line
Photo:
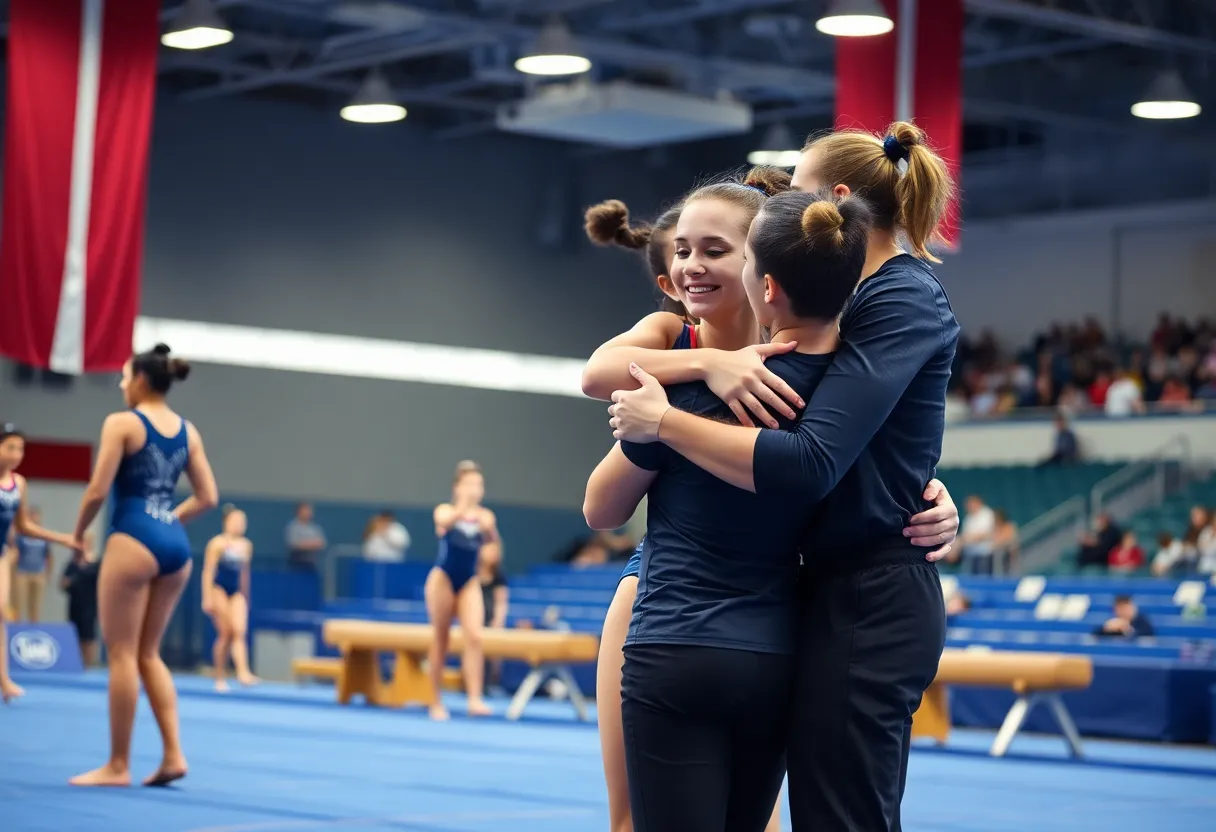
[(1171, 556), (1128, 621), (385, 540), (984, 400), (1096, 544), (1072, 400), (1124, 397), (1175, 394), (305, 540), (1099, 389), (1195, 526), (1065, 449), (1127, 556), (977, 537), (1205, 543), (1006, 545), (956, 605), (598, 549)]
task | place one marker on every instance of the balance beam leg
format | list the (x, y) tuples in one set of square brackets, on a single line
[(526, 691), (932, 718), (562, 672), (1071, 735), (1011, 726), (359, 674), (409, 685)]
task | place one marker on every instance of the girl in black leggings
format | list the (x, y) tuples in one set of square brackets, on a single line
[(710, 657)]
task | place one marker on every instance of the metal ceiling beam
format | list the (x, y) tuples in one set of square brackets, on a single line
[(1082, 24), (1001, 112), (437, 95), (687, 14), (309, 75), (1031, 52), (467, 31)]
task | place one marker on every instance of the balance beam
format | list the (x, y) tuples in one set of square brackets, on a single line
[(549, 653), (1033, 677), (316, 667)]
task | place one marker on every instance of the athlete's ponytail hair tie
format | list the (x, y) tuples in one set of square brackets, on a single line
[(894, 149)]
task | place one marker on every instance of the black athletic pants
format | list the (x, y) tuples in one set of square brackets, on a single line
[(871, 639), (705, 736)]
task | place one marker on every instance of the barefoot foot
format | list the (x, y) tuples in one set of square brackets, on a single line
[(221, 686), (439, 713), (479, 708), (248, 680), (107, 775)]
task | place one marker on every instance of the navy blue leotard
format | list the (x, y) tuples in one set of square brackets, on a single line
[(229, 567), (10, 502), (143, 496), (687, 340), (458, 551)]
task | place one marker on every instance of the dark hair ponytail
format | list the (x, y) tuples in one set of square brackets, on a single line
[(159, 369)]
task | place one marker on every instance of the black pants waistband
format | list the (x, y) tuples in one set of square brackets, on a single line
[(895, 553)]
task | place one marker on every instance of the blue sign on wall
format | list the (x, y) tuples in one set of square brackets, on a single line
[(43, 648)]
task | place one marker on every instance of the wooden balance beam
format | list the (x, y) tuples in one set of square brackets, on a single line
[(1033, 677), (549, 653)]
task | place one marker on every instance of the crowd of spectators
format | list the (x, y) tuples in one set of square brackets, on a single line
[(1078, 369), (1119, 551)]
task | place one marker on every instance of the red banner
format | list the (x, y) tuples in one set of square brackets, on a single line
[(58, 461), (81, 85), (868, 80)]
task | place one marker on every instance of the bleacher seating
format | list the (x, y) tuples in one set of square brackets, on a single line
[(1024, 492), (1156, 688)]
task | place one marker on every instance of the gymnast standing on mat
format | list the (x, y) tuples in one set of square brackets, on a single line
[(225, 585), (710, 656), (463, 527), (142, 454), (14, 514), (873, 620)]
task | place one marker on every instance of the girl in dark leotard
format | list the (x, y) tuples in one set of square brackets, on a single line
[(675, 328), (463, 527), (225, 582), (15, 516), (142, 454)]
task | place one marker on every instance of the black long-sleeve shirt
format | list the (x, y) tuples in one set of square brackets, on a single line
[(871, 435)]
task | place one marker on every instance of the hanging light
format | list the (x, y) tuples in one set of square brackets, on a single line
[(374, 103), (778, 148), (855, 19), (1167, 98), (553, 53), (198, 26)]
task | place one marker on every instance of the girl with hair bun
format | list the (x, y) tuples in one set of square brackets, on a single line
[(142, 453), (710, 656), (465, 528), (671, 328), (872, 621)]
